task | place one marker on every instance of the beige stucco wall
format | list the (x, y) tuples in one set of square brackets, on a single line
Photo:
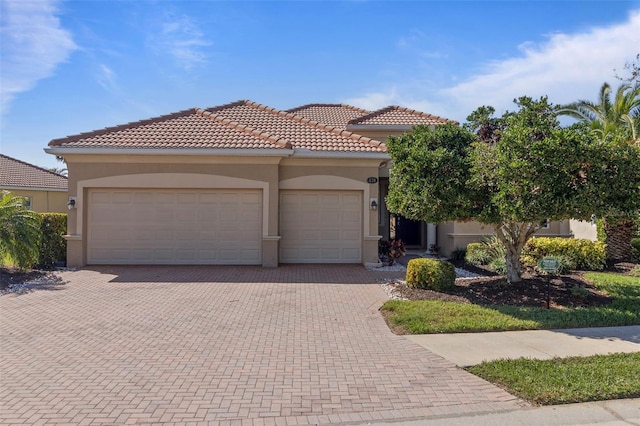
[(583, 229), (44, 200), (270, 174), (456, 235)]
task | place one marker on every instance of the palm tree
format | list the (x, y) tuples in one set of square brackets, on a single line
[(609, 119), (613, 121), (19, 231)]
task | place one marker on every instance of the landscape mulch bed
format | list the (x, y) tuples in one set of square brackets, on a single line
[(493, 289)]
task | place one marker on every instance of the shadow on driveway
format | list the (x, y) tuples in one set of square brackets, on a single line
[(287, 273)]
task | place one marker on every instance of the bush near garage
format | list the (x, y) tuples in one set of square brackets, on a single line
[(53, 248), (431, 274), (585, 254)]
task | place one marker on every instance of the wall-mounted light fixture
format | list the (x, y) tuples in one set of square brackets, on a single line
[(71, 204), (374, 204)]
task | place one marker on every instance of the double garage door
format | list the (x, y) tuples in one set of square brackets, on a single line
[(223, 227)]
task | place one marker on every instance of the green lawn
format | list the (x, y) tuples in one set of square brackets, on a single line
[(430, 316), (566, 380)]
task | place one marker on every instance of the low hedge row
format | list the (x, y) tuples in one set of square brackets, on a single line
[(585, 254)]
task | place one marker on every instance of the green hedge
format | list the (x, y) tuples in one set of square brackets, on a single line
[(586, 254), (432, 274), (635, 248), (53, 248)]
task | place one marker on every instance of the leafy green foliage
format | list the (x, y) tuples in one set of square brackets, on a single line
[(433, 274), (519, 170), (579, 253), (566, 380), (610, 119), (635, 248), (430, 171), (490, 252), (53, 247), (19, 231)]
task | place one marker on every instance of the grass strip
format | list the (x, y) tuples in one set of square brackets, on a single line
[(433, 316), (566, 380)]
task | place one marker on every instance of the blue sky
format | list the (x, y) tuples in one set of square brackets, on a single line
[(74, 66)]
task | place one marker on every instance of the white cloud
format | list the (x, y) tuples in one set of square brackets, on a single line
[(107, 78), (566, 67), (33, 45), (182, 39)]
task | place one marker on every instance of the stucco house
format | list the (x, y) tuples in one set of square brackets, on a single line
[(44, 190), (244, 183)]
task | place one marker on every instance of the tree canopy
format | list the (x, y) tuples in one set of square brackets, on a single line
[(513, 173)]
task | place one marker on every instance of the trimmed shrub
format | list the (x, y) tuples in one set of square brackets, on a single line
[(579, 253), (432, 274), (635, 248), (53, 248)]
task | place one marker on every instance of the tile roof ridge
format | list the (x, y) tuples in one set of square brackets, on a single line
[(34, 166), (312, 123), (130, 125), (351, 107), (404, 109), (269, 137)]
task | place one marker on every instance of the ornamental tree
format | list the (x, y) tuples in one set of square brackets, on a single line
[(513, 174)]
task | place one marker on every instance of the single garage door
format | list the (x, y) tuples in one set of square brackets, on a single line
[(212, 227), (320, 226)]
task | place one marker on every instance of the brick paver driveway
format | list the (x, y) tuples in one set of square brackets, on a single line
[(293, 345)]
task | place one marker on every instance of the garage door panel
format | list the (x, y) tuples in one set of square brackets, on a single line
[(175, 227), (320, 226)]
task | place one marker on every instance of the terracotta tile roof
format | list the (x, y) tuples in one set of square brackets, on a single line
[(193, 128), (337, 115), (399, 116), (18, 174), (301, 132)]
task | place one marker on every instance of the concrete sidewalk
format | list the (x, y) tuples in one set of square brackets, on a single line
[(465, 349), (622, 412)]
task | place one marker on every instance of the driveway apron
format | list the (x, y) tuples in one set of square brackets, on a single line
[(298, 344)]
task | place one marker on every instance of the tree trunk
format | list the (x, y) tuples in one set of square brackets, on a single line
[(514, 267), (619, 234), (513, 236)]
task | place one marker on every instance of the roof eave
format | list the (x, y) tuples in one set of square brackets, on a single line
[(306, 153), (31, 188), (244, 152)]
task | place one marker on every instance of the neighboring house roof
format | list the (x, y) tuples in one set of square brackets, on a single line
[(399, 116), (337, 115), (18, 174)]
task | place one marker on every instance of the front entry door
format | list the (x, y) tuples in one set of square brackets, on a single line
[(407, 230)]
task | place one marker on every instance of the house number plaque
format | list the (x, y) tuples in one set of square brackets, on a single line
[(372, 180)]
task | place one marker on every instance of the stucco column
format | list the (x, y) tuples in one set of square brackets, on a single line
[(431, 234)]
